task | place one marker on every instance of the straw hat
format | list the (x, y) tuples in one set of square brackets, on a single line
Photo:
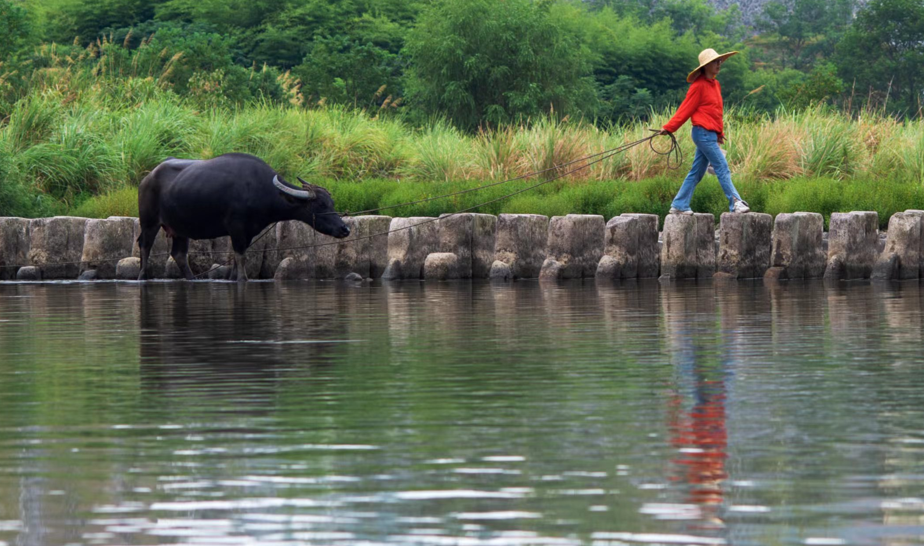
[(706, 57)]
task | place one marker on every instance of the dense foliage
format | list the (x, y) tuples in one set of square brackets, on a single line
[(94, 93), (481, 63)]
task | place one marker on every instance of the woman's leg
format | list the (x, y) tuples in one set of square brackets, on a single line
[(706, 142), (700, 162)]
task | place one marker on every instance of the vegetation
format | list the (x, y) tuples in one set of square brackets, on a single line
[(393, 100)]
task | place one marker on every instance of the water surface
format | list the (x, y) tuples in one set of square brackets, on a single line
[(461, 413)]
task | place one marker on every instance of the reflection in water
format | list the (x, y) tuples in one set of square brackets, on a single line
[(444, 413)]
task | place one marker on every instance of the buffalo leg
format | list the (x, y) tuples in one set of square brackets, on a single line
[(240, 244), (145, 243), (180, 251)]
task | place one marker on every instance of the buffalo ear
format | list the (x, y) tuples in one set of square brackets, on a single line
[(305, 185)]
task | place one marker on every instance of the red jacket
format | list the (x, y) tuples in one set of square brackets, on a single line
[(703, 104)]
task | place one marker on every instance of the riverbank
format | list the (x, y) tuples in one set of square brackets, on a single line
[(505, 247), (79, 147)]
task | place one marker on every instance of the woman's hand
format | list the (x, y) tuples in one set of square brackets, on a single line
[(664, 132), (720, 139)]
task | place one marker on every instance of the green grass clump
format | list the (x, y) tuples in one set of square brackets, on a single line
[(82, 140), (121, 202), (608, 198)]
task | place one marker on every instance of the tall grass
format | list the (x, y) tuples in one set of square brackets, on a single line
[(82, 139)]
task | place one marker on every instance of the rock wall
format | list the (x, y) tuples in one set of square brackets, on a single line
[(506, 247)]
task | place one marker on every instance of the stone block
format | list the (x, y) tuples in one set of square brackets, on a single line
[(484, 236), (574, 246), (500, 271), (410, 241), (649, 252), (14, 246), (630, 248), (205, 252), (443, 266), (688, 251), (364, 251), (901, 257), (519, 243), (29, 273), (106, 242), (620, 251), (744, 244), (56, 246), (290, 269), (798, 245), (320, 256), (470, 237), (128, 268), (852, 240), (88, 275)]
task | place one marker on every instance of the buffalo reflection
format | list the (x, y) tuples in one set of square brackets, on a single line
[(230, 341)]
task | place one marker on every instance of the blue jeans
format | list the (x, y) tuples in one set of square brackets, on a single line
[(707, 151)]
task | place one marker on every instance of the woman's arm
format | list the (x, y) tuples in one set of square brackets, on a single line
[(687, 107)]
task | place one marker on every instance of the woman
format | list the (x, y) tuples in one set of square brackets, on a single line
[(704, 105)]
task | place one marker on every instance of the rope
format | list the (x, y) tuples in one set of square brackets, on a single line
[(674, 160)]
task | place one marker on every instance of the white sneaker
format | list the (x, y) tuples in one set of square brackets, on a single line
[(741, 207), (680, 212)]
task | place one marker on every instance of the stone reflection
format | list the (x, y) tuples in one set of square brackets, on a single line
[(901, 308), (696, 413)]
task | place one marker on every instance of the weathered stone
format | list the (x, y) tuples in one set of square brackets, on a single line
[(14, 246), (354, 277), (205, 252), (484, 230), (688, 251), (520, 243), (887, 268), (410, 241), (219, 272), (852, 238), (336, 258), (901, 256), (290, 269), (442, 266), (620, 251), (29, 273), (798, 245), (364, 251), (128, 268), (574, 246), (744, 244), (649, 252), (88, 275), (56, 246), (295, 243), (470, 237), (106, 242), (500, 271), (835, 270), (775, 274)]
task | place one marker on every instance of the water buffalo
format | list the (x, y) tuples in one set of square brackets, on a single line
[(233, 194)]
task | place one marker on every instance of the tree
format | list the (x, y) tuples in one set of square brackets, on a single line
[(15, 29), (496, 61), (799, 31), (884, 51)]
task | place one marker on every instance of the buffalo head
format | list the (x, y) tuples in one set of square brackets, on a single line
[(315, 207)]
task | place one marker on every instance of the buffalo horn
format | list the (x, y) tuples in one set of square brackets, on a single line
[(298, 194)]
